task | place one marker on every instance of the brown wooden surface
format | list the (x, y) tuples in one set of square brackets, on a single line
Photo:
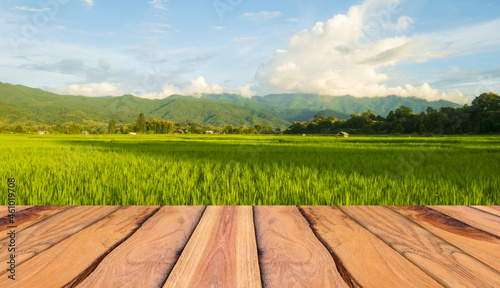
[(43, 235), (4, 210), (495, 210), (147, 257), (222, 251), (482, 245), (27, 217), (372, 264), (291, 255), (444, 262), (72, 258), (474, 217), (281, 246)]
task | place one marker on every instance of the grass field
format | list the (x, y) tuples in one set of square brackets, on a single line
[(247, 170)]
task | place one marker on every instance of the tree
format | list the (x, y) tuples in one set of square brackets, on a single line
[(319, 117), (19, 129), (140, 124), (74, 128), (369, 115), (228, 129), (112, 127)]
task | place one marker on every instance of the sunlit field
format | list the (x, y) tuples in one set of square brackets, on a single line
[(251, 169)]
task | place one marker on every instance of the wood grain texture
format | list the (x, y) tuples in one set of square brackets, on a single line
[(370, 261), (147, 257), (42, 235), (222, 251), (27, 217), (4, 210), (290, 253), (444, 262), (74, 256), (477, 243), (474, 217), (495, 210)]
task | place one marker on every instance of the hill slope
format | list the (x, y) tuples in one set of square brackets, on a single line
[(303, 107), (349, 104), (20, 104)]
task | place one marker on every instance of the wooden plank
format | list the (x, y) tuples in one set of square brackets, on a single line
[(495, 210), (222, 251), (290, 253), (28, 217), (147, 257), (446, 263), (482, 245), (64, 263), (366, 258), (476, 218), (4, 210), (42, 235)]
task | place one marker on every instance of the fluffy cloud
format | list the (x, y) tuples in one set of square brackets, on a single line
[(246, 91), (94, 89), (197, 87), (200, 86), (344, 55)]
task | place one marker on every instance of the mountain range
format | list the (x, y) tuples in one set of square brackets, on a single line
[(30, 106)]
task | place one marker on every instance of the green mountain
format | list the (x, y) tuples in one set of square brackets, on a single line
[(20, 104), (349, 104), (303, 107)]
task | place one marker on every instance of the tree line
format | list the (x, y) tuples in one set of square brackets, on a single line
[(481, 117)]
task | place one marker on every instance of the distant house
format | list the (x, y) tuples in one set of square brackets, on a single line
[(178, 132), (85, 132), (209, 132), (132, 133), (343, 134), (43, 132)]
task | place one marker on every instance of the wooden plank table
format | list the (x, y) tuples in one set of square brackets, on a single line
[(244, 246)]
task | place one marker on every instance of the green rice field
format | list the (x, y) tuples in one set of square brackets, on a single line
[(251, 170)]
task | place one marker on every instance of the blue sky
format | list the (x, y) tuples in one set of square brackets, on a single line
[(430, 49)]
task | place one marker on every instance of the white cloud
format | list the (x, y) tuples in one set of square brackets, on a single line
[(59, 27), (89, 3), (219, 28), (438, 54), (467, 39), (262, 15), (167, 90), (159, 4), (244, 39), (292, 20), (402, 24), (25, 8), (200, 86), (246, 91), (197, 87), (94, 89), (343, 56)]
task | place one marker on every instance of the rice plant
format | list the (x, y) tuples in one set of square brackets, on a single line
[(251, 170)]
